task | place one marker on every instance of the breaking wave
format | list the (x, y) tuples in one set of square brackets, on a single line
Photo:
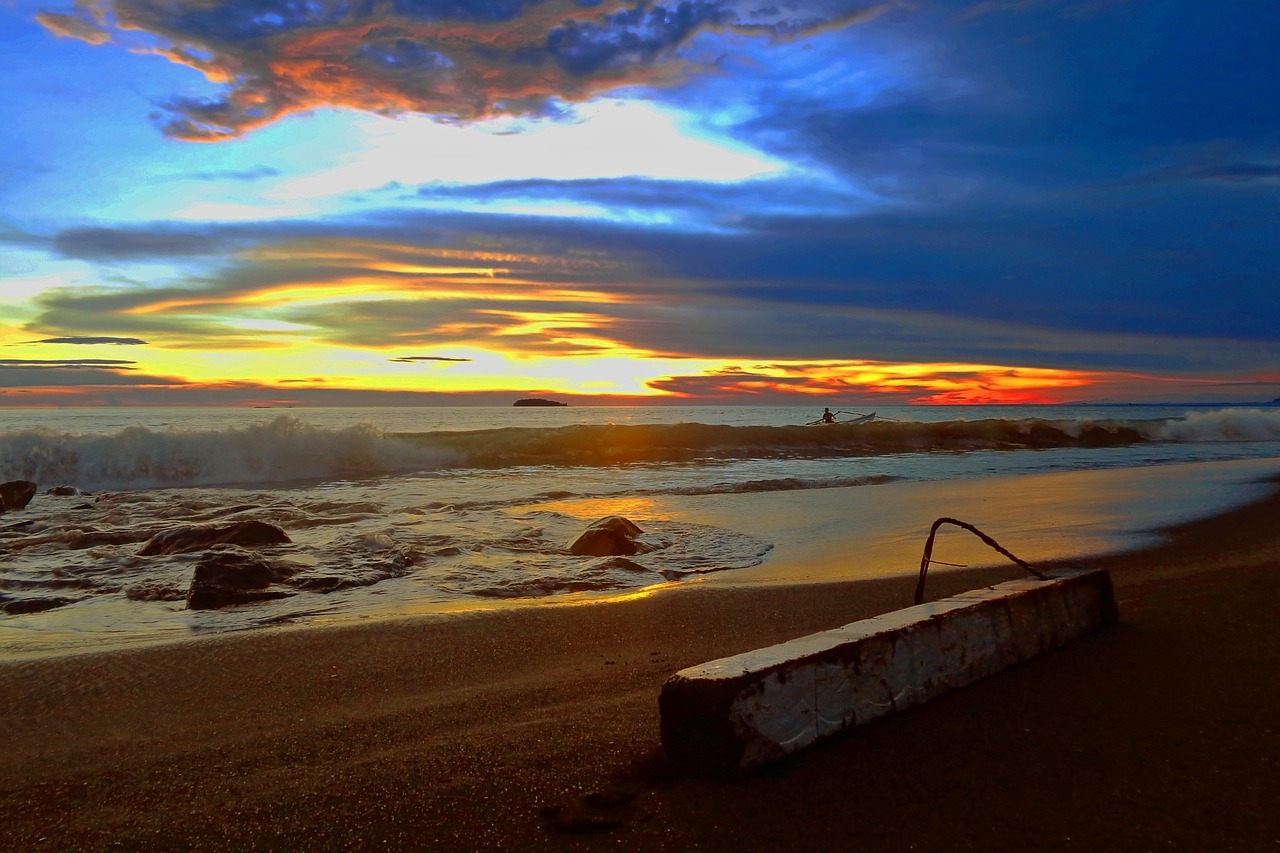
[(288, 449), (283, 450), (1225, 425)]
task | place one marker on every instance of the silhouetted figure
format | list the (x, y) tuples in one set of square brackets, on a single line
[(827, 417)]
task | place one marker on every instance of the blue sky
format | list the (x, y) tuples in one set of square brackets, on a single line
[(731, 201)]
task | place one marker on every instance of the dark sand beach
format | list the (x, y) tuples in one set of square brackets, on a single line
[(537, 728)]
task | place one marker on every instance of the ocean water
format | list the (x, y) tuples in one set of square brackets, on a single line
[(399, 509)]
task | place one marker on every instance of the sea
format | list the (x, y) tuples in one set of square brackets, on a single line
[(409, 510)]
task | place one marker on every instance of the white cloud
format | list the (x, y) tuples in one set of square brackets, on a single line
[(605, 139)]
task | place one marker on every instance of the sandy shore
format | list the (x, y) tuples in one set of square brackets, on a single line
[(537, 728)]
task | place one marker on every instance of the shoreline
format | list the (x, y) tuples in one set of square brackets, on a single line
[(831, 535), (536, 728)]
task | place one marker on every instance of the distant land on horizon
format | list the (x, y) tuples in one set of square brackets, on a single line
[(538, 402)]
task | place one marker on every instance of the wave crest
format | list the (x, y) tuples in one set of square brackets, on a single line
[(1224, 425), (615, 444), (288, 449), (283, 450)]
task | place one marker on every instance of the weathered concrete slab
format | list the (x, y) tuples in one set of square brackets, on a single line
[(759, 706)]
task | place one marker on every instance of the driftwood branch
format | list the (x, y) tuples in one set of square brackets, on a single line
[(928, 551)]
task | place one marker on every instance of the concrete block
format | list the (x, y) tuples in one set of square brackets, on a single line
[(756, 707)]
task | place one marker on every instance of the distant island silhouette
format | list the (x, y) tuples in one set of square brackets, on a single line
[(537, 401)]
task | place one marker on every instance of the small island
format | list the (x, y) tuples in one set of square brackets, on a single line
[(537, 401)]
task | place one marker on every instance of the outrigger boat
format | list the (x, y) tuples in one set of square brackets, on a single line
[(858, 418)]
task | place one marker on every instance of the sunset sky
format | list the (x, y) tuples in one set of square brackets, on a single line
[(350, 202)]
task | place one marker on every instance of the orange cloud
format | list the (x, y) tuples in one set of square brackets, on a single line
[(907, 383)]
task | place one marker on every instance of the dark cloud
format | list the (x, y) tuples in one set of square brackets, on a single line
[(455, 61), (941, 105), (62, 385), (136, 244), (247, 175), (1238, 173), (111, 363), (88, 340), (412, 359), (676, 204), (65, 364)]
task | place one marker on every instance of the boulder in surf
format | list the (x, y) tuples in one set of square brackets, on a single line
[(229, 574), (16, 494), (611, 536), (198, 537)]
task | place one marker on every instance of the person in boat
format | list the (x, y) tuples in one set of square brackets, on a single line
[(827, 417)]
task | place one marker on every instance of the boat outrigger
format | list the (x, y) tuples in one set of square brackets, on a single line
[(858, 418)]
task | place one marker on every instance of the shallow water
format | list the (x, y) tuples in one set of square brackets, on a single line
[(387, 519)]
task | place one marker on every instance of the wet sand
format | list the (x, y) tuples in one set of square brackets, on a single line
[(536, 728)]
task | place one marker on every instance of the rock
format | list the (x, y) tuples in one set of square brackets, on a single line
[(16, 494), (18, 606), (612, 536), (198, 537), (229, 574), (153, 591), (81, 539), (63, 491)]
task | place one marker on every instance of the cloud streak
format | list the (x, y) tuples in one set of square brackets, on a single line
[(58, 363), (90, 340)]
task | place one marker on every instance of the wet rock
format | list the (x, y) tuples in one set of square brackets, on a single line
[(81, 539), (229, 574), (63, 491), (333, 583), (199, 537), (16, 494), (611, 536), (152, 591), (17, 606), (329, 583), (396, 563)]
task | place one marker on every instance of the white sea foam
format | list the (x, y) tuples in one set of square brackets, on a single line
[(1224, 425), (283, 450)]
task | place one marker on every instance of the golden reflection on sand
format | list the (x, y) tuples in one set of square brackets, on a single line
[(590, 509)]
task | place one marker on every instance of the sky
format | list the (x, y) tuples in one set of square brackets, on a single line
[(826, 202)]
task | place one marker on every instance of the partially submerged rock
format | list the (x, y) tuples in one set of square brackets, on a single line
[(17, 606), (16, 494), (155, 591), (228, 574), (181, 540), (612, 536)]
